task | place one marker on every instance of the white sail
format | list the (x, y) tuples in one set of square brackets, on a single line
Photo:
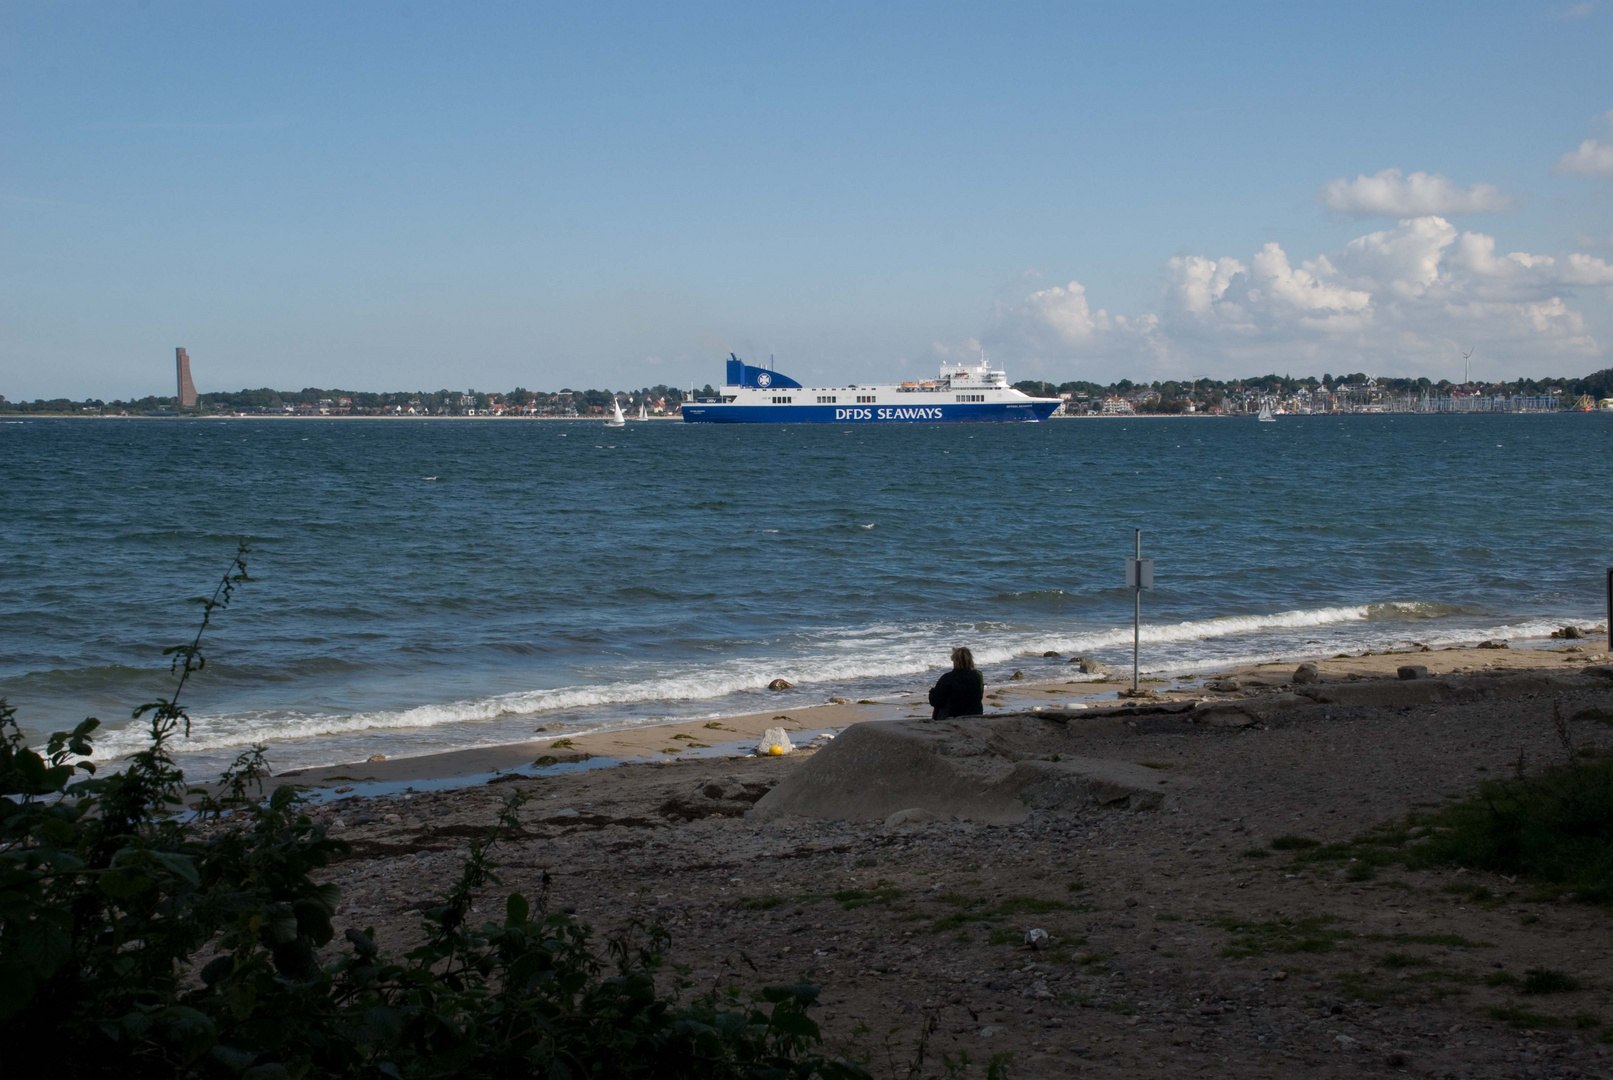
[(618, 420), (1265, 413)]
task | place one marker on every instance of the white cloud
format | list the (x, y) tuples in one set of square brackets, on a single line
[(1396, 299), (1575, 12), (1593, 158), (1060, 322), (1391, 193)]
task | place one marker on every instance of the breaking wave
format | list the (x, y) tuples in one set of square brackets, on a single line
[(870, 658)]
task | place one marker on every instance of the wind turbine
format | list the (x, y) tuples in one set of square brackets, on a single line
[(1467, 367)]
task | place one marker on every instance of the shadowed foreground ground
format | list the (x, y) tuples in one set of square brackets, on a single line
[(1179, 942)]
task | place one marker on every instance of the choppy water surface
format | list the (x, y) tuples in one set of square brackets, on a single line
[(423, 585)]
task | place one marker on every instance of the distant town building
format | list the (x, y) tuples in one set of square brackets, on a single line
[(187, 389)]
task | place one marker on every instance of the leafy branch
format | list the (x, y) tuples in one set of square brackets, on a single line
[(204, 945)]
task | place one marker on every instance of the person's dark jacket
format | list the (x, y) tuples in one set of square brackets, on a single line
[(958, 693)]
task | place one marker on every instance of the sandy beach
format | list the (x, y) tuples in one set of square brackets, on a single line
[(1049, 683), (1170, 948)]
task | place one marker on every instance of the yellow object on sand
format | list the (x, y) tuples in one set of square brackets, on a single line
[(775, 750)]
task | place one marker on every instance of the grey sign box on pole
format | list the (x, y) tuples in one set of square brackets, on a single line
[(1139, 573)]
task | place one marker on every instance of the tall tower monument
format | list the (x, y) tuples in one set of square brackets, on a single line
[(187, 389)]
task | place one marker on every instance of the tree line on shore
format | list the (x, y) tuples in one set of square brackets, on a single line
[(1158, 396), (1173, 396), (564, 402)]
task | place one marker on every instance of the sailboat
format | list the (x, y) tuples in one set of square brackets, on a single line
[(641, 413), (618, 420), (1265, 413)]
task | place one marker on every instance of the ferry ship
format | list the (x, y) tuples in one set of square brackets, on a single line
[(758, 395)]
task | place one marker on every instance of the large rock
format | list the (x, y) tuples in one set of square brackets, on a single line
[(774, 741), (1223, 714), (1443, 689), (1307, 673), (991, 769)]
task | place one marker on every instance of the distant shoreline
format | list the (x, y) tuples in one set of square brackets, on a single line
[(283, 416), (20, 417)]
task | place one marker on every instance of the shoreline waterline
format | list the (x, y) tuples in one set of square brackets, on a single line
[(731, 736)]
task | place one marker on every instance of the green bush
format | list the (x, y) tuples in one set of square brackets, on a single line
[(1294, 843), (1547, 981), (141, 938), (1553, 826)]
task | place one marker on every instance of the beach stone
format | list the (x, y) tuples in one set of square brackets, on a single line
[(1398, 694), (912, 815), (726, 797), (1090, 667), (1307, 673), (1570, 632), (994, 769), (376, 757), (781, 684), (839, 701), (1492, 645), (1228, 685), (1051, 653), (1407, 672), (1223, 714), (1017, 675), (1383, 693), (1595, 714), (726, 788), (774, 741)]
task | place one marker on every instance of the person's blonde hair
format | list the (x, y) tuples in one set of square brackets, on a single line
[(962, 659)]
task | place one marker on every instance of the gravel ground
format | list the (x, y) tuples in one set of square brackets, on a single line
[(1166, 941)]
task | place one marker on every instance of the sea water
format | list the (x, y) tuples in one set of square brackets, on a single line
[(429, 585)]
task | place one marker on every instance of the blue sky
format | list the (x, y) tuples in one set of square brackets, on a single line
[(484, 195)]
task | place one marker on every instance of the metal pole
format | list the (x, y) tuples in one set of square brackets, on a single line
[(1610, 609), (1137, 611)]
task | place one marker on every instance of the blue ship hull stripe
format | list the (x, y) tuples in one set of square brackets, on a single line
[(978, 412)]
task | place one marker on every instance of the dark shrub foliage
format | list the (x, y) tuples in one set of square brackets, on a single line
[(1553, 826), (139, 938)]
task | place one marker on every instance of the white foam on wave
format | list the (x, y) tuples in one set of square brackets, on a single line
[(1195, 630), (841, 656)]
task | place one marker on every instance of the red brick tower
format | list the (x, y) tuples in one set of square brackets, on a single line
[(187, 389)]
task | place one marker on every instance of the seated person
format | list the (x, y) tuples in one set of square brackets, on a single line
[(961, 691)]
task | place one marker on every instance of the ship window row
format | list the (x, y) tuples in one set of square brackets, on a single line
[(865, 399), (971, 397), (781, 401), (826, 399)]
